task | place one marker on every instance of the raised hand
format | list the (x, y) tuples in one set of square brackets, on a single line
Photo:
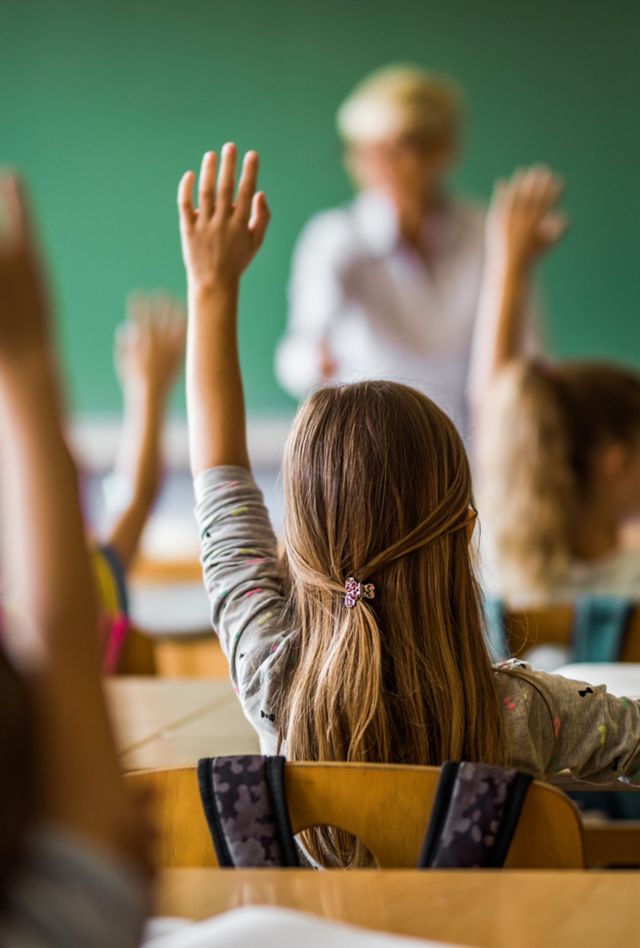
[(524, 220), (222, 235), (219, 240), (23, 303), (149, 347)]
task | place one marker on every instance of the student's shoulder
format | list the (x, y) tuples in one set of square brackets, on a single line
[(554, 691)]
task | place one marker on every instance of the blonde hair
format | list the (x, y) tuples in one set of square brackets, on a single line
[(377, 486), (546, 428), (401, 100)]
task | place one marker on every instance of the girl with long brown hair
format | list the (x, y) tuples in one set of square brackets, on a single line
[(365, 642), (559, 445)]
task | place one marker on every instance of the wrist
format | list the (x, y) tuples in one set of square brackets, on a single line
[(509, 266), (147, 398), (215, 292)]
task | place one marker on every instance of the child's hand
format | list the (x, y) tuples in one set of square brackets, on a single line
[(23, 303), (524, 220), (220, 237), (150, 345)]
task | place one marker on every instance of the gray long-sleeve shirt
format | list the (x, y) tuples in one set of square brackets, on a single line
[(552, 723)]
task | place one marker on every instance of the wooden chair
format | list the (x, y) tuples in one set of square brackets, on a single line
[(552, 625), (169, 656), (194, 654), (147, 569), (138, 655), (386, 806), (612, 843)]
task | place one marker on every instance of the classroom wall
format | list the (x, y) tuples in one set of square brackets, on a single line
[(104, 104)]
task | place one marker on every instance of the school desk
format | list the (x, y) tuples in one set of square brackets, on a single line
[(171, 723), (489, 909), (166, 722)]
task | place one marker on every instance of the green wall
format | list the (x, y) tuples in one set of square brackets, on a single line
[(105, 103)]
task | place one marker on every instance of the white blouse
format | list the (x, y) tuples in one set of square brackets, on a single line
[(379, 307)]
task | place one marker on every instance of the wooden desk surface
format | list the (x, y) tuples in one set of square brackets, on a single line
[(621, 678), (168, 722), (488, 909)]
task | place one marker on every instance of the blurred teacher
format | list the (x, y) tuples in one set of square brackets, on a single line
[(389, 286)]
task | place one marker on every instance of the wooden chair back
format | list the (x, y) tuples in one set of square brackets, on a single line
[(553, 625), (386, 806), (173, 656), (138, 655)]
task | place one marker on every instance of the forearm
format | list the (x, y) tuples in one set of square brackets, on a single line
[(56, 599), (44, 504), (140, 463), (215, 397), (499, 324)]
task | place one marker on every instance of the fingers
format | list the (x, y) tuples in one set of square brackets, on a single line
[(138, 307), (260, 217), (247, 186), (536, 188), (185, 201), (155, 314), (226, 179), (553, 227), (207, 185)]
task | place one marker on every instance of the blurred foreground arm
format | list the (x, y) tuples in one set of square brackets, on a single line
[(79, 780)]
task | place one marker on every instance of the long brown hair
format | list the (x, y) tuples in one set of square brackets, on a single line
[(545, 428), (377, 486)]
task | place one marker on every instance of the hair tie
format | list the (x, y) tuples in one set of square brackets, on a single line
[(354, 590)]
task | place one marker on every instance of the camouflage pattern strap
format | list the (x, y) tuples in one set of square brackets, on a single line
[(245, 806), (474, 816)]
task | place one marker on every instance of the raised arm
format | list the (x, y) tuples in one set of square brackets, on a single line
[(149, 353), (523, 223), (219, 240), (79, 780)]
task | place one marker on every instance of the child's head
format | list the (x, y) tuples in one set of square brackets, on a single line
[(377, 487), (561, 444), (401, 127)]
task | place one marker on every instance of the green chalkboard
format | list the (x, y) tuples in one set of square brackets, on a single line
[(104, 104)]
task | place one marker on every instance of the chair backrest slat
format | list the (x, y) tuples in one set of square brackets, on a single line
[(554, 625), (386, 806)]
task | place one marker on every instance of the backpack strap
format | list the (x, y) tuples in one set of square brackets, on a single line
[(474, 816), (246, 808), (599, 627)]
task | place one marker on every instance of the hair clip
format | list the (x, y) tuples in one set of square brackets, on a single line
[(354, 590)]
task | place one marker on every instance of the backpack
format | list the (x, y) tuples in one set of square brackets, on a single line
[(473, 819)]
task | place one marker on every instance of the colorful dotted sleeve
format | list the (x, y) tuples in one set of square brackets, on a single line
[(242, 577), (572, 725)]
